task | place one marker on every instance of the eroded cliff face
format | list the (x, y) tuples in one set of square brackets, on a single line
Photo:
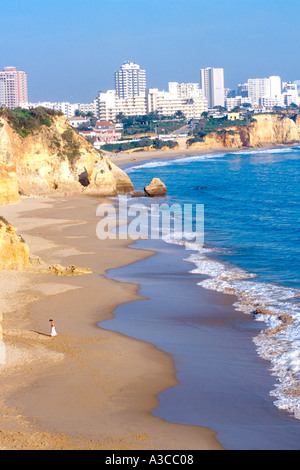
[(14, 253), (55, 159), (267, 129), (9, 189)]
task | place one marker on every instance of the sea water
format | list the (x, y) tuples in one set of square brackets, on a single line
[(251, 244)]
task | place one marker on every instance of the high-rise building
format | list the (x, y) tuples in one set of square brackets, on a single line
[(265, 89), (212, 84), (13, 88), (130, 80)]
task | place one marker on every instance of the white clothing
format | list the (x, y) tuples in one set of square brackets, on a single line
[(53, 331)]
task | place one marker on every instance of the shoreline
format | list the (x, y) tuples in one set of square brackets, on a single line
[(122, 159), (120, 325), (62, 393), (53, 237)]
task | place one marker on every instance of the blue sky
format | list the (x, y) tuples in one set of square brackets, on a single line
[(70, 49)]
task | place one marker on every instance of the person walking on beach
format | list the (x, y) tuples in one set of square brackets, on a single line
[(53, 330)]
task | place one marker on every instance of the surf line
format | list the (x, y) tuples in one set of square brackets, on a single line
[(139, 221)]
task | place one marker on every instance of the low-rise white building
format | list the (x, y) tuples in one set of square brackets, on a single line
[(105, 106), (87, 108), (187, 98), (78, 121), (68, 109), (166, 104), (269, 103), (237, 101), (132, 106), (184, 90), (290, 94)]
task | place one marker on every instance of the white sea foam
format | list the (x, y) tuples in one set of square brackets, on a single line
[(162, 163), (267, 151), (208, 156), (274, 305)]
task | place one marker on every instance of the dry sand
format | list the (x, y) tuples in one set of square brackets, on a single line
[(88, 388)]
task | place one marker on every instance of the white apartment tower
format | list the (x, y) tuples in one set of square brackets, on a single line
[(13, 88), (212, 84), (130, 80), (260, 89)]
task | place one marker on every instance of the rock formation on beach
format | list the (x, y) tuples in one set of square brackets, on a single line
[(71, 270), (40, 153), (265, 130), (155, 188), (14, 253)]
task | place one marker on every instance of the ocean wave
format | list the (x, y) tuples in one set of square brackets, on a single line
[(162, 163), (274, 305), (267, 151), (210, 156)]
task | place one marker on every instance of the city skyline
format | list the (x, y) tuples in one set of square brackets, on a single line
[(132, 97), (71, 49), (200, 83)]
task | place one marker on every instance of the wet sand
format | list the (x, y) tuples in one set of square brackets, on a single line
[(223, 383), (88, 388)]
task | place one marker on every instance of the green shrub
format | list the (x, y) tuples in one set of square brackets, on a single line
[(26, 121), (142, 143), (71, 148)]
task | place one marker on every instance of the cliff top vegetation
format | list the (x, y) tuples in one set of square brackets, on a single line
[(25, 121), (210, 124)]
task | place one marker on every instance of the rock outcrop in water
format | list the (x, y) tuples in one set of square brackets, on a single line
[(53, 158), (265, 130), (155, 188)]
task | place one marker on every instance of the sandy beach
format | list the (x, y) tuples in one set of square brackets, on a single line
[(88, 388), (132, 158), (125, 158)]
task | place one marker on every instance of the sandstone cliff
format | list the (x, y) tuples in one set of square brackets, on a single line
[(266, 129), (14, 253), (54, 158)]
